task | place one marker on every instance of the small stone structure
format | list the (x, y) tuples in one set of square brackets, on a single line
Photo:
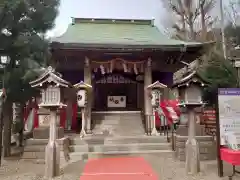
[(207, 145), (51, 85), (189, 86), (42, 132)]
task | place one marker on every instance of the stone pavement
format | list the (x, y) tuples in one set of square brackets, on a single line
[(167, 168)]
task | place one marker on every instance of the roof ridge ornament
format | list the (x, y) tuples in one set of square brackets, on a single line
[(50, 69)]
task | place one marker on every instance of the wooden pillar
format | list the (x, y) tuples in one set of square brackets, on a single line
[(147, 82), (88, 80)]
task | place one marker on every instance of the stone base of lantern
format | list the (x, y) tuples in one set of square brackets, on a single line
[(192, 157), (52, 160), (43, 133)]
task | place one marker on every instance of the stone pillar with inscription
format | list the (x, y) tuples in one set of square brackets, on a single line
[(147, 82), (88, 80), (148, 110)]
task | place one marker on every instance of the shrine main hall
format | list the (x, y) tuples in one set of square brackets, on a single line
[(119, 58)]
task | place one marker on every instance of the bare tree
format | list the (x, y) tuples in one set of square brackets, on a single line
[(233, 11), (190, 14)]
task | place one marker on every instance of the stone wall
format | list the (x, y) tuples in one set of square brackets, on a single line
[(207, 147)]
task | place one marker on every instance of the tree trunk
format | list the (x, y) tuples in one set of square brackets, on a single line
[(203, 23), (183, 25), (192, 34), (21, 119), (7, 128), (1, 131)]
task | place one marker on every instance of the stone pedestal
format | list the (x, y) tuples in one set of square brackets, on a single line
[(52, 159), (52, 156), (192, 147), (43, 133)]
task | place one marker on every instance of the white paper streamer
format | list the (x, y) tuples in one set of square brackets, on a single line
[(125, 68), (135, 69), (102, 69)]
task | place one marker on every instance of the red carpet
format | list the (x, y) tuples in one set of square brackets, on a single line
[(130, 168)]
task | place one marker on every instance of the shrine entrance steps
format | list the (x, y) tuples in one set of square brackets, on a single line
[(105, 146), (118, 133), (118, 123)]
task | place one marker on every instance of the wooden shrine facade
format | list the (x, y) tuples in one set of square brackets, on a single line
[(119, 58)]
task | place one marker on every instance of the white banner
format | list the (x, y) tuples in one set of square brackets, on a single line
[(116, 101)]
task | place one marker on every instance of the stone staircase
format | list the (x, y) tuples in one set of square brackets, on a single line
[(102, 146), (118, 123), (117, 134)]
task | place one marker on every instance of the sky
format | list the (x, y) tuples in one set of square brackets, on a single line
[(130, 9), (135, 9)]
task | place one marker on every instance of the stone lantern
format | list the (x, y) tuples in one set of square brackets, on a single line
[(189, 88), (190, 95), (83, 90), (51, 85), (155, 92)]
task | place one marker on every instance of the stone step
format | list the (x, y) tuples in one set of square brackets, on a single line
[(118, 123), (32, 141), (120, 147), (36, 155), (38, 148), (76, 156), (39, 157), (99, 140)]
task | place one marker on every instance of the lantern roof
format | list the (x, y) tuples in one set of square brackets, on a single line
[(156, 84), (190, 77), (50, 75), (83, 85)]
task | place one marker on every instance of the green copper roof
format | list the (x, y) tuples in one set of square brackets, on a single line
[(109, 32)]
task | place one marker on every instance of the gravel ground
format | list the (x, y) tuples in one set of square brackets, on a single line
[(167, 169)]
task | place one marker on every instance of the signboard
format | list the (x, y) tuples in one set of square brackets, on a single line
[(229, 115), (116, 101)]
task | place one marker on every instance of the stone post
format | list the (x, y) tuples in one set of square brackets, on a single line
[(83, 130), (192, 147), (154, 130), (147, 100), (52, 167), (147, 82), (88, 80)]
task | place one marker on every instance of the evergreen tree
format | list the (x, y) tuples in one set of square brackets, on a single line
[(23, 24), (219, 73)]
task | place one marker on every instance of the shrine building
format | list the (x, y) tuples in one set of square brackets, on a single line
[(119, 58)]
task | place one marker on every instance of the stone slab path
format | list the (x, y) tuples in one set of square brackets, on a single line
[(167, 169)]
